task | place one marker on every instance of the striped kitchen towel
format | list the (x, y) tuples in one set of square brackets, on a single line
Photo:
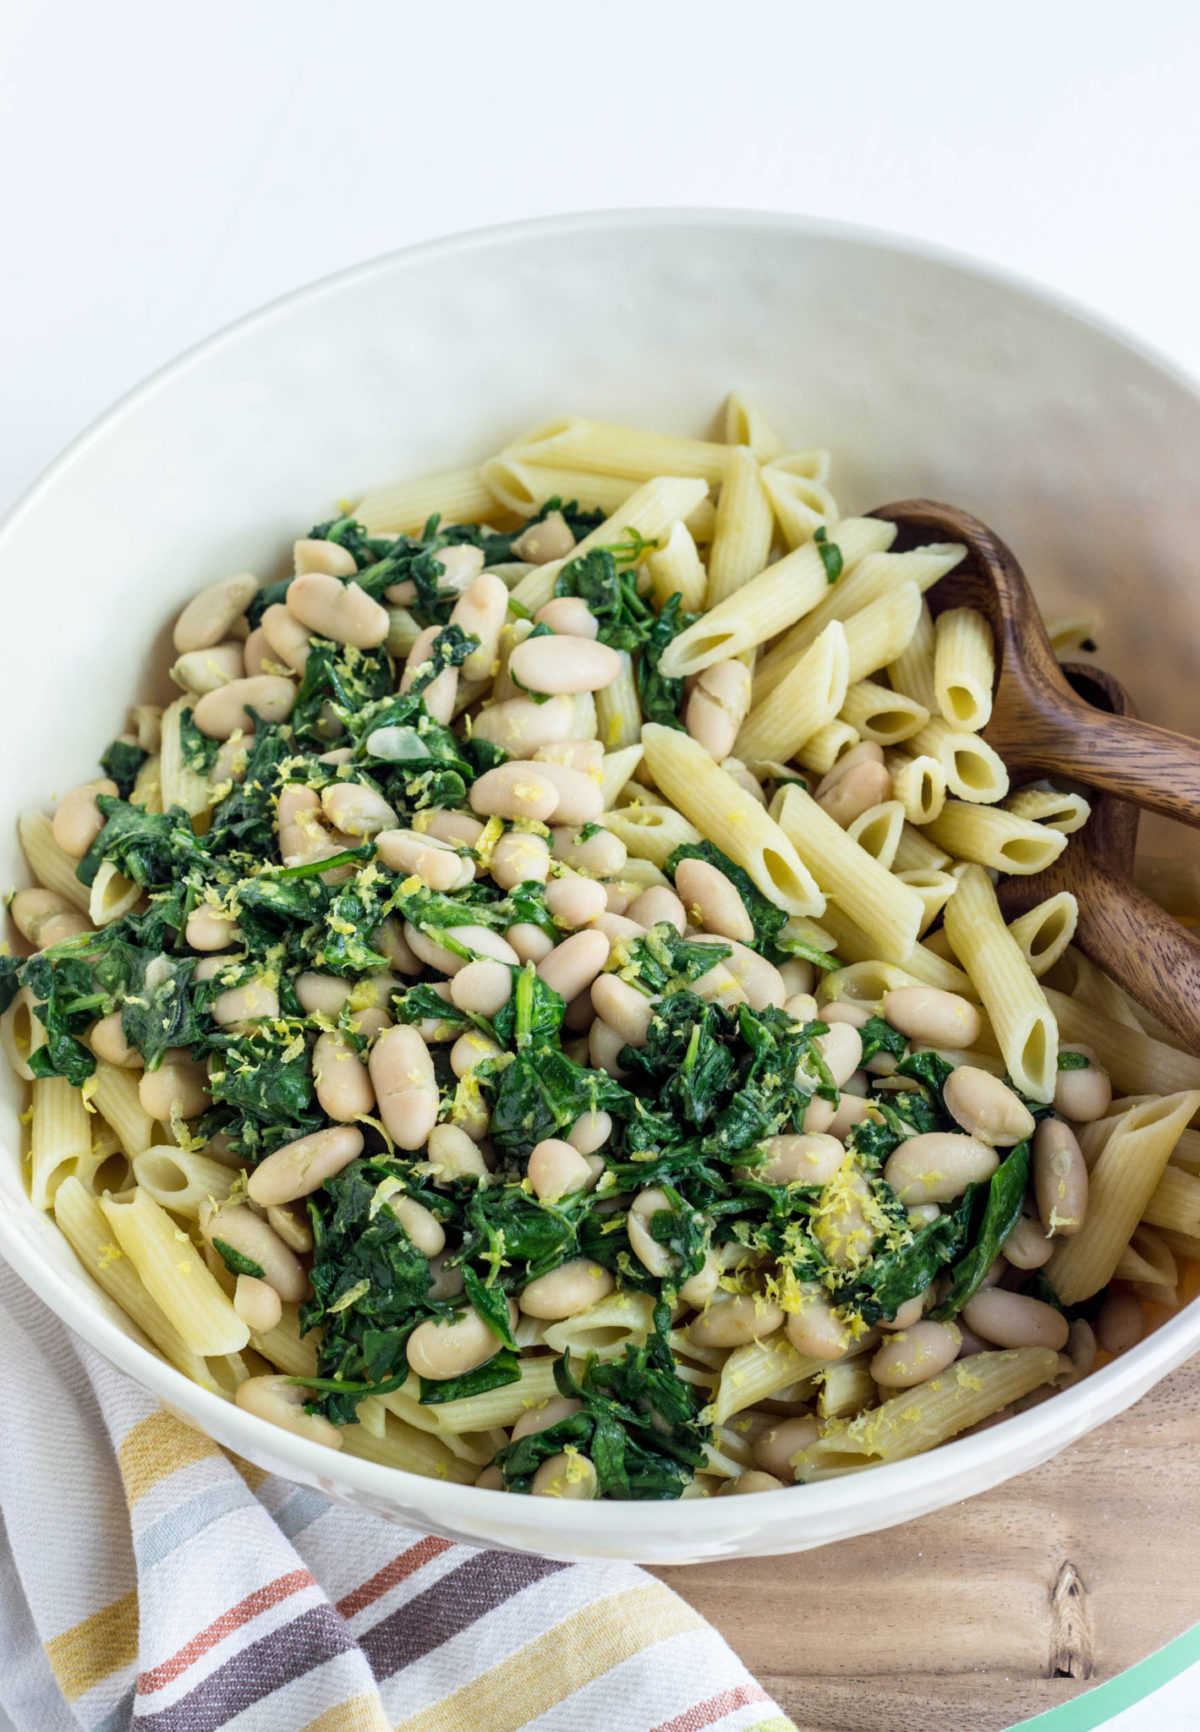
[(149, 1579)]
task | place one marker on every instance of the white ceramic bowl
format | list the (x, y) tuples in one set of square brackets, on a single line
[(924, 374)]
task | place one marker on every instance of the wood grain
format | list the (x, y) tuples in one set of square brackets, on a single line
[(985, 1614), (1039, 725)]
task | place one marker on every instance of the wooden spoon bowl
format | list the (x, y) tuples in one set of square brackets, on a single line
[(1040, 725)]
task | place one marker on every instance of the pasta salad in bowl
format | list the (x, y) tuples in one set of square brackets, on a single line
[(534, 1009)]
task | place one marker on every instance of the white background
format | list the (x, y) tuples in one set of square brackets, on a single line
[(166, 165)]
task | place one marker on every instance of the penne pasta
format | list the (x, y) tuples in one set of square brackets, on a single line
[(456, 496), (1016, 1006), (741, 542), (990, 836), (964, 668)]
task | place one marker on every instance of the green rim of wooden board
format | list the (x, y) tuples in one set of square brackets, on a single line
[(1087, 1712)]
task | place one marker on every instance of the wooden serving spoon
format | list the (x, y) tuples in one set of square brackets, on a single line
[(1125, 933), (1039, 725)]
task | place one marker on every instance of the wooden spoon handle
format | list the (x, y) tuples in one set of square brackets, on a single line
[(1136, 761), (1144, 950)]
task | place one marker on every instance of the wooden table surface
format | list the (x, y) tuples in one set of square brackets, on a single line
[(993, 1611)]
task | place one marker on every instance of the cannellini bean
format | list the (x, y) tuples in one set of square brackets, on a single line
[(1015, 1320), (1082, 1095), (586, 755), (356, 810), (617, 928), (760, 980), (479, 939), (567, 1290), (862, 786), (718, 986), (481, 610), (566, 1475), (819, 1114), (713, 900), (388, 940), (815, 1330), (295, 1231), (529, 942), (798, 1160), (573, 965), (699, 1288), (281, 1402), (928, 1014), (440, 694), (556, 1170), (405, 1087), (257, 1304), (408, 854), (322, 994), (564, 665), (857, 1015), (229, 765), (421, 1224), (107, 1041), (287, 640), (210, 929), (658, 905), (249, 1002), (798, 975), (604, 1047), (802, 1007), (774, 1448), (842, 1229), (471, 1049), (46, 918), (600, 856), (623, 1007), (573, 902), (717, 707), (937, 1166), (750, 1481), (841, 1050), (569, 616), (313, 554), (546, 1414), (78, 820), (907, 1314), (519, 725), (590, 1132), (865, 752), (545, 541), (1121, 1322), (460, 829), (256, 653), (481, 988), (343, 1086), (580, 797), (986, 1108), (1060, 1178), (237, 1226), (646, 1248), (731, 1320), (460, 566), (915, 1355), (178, 1086), (453, 1155), (221, 713), (343, 612), (299, 1168), (515, 790), (208, 616), (520, 858), (1027, 1247)]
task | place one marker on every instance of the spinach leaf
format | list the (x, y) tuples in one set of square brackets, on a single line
[(662, 698), (625, 619), (931, 1070), (900, 1275), (664, 960), (152, 848), (199, 752), (121, 763), (880, 1036), (66, 1002), (1069, 1060), (503, 1367), (10, 980), (157, 1011), (1005, 1194), (831, 555), (491, 1304), (235, 1262)]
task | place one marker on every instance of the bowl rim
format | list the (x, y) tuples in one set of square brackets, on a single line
[(875, 1498)]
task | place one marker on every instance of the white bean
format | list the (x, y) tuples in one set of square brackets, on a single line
[(841, 1049), (471, 1049), (210, 929), (343, 612), (556, 1170), (453, 1155), (545, 541), (107, 1041), (1060, 1178), (1085, 1094), (314, 554), (580, 797), (658, 904), (1121, 1322), (937, 1166), (567, 1290), (1027, 1247), (713, 900), (604, 1047), (529, 942), (799, 1160), (915, 1355), (928, 1014), (421, 1224), (440, 694), (717, 707), (774, 1448), (732, 1320), (405, 1086), (573, 902), (257, 1304), (301, 1167), (650, 1253), (343, 1086), (45, 918), (248, 1234), (434, 863), (356, 810), (519, 725), (221, 713), (564, 665), (574, 964), (321, 994), (569, 616), (986, 1108), (600, 856), (78, 820), (250, 1002), (1015, 1320), (520, 857), (481, 610), (515, 790), (287, 640), (208, 616), (542, 1417), (482, 988), (624, 1008), (281, 1402), (567, 1476), (815, 1330), (590, 1132), (179, 1085), (862, 786)]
